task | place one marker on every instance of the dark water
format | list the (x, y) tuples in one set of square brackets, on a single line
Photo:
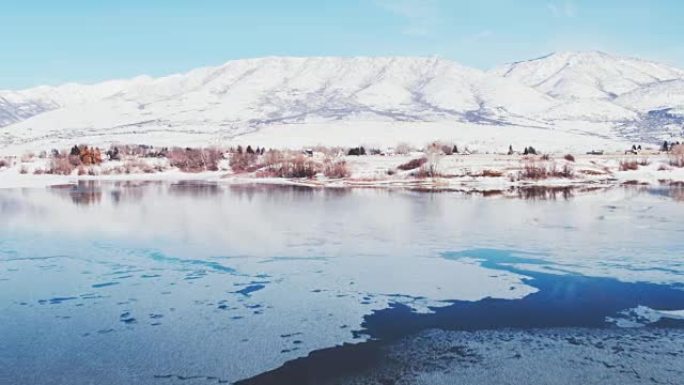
[(563, 301)]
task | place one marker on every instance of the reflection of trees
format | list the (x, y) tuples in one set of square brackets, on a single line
[(677, 193), (194, 189), (546, 193), (275, 193), (82, 193)]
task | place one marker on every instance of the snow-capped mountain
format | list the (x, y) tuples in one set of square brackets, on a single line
[(286, 90), (584, 75), (584, 94)]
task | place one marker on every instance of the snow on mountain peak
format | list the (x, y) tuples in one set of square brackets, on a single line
[(592, 74), (245, 96)]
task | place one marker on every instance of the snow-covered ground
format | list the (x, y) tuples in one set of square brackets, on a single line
[(473, 172)]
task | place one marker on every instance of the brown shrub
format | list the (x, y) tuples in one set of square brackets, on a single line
[(644, 162), (61, 165), (677, 150), (426, 171), (194, 160), (23, 170), (626, 165), (298, 166), (545, 157), (535, 171), (412, 164), (336, 169), (245, 162), (4, 163), (89, 156), (440, 148), (569, 157), (491, 173), (286, 165)]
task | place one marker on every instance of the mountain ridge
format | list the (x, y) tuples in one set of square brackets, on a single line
[(244, 96)]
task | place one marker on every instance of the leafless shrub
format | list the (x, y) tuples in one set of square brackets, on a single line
[(412, 164), (4, 163), (336, 169), (23, 169), (644, 162), (627, 165), (535, 171), (426, 171), (663, 167), (297, 166), (569, 157), (403, 149), (431, 168), (491, 173), (61, 165), (677, 156), (195, 160), (442, 148), (447, 149), (245, 162), (594, 172), (115, 152), (28, 157), (545, 157)]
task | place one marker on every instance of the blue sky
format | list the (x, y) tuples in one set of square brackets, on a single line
[(52, 42)]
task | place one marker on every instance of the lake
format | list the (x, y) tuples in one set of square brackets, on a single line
[(200, 283)]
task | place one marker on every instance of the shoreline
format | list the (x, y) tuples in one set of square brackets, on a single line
[(476, 173)]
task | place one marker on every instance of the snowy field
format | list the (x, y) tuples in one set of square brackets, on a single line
[(474, 172)]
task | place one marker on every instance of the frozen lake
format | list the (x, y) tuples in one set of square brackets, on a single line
[(119, 283)]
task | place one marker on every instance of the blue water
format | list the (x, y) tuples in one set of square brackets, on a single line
[(183, 283)]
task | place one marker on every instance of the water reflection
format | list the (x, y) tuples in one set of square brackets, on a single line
[(82, 193), (235, 280), (91, 192), (545, 193)]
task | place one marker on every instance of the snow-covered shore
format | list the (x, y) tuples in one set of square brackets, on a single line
[(476, 172)]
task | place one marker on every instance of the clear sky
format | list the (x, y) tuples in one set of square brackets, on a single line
[(57, 41)]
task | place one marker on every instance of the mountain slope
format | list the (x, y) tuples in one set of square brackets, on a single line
[(581, 75), (592, 94), (242, 95)]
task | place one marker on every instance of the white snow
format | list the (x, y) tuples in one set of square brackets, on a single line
[(326, 98), (643, 315)]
